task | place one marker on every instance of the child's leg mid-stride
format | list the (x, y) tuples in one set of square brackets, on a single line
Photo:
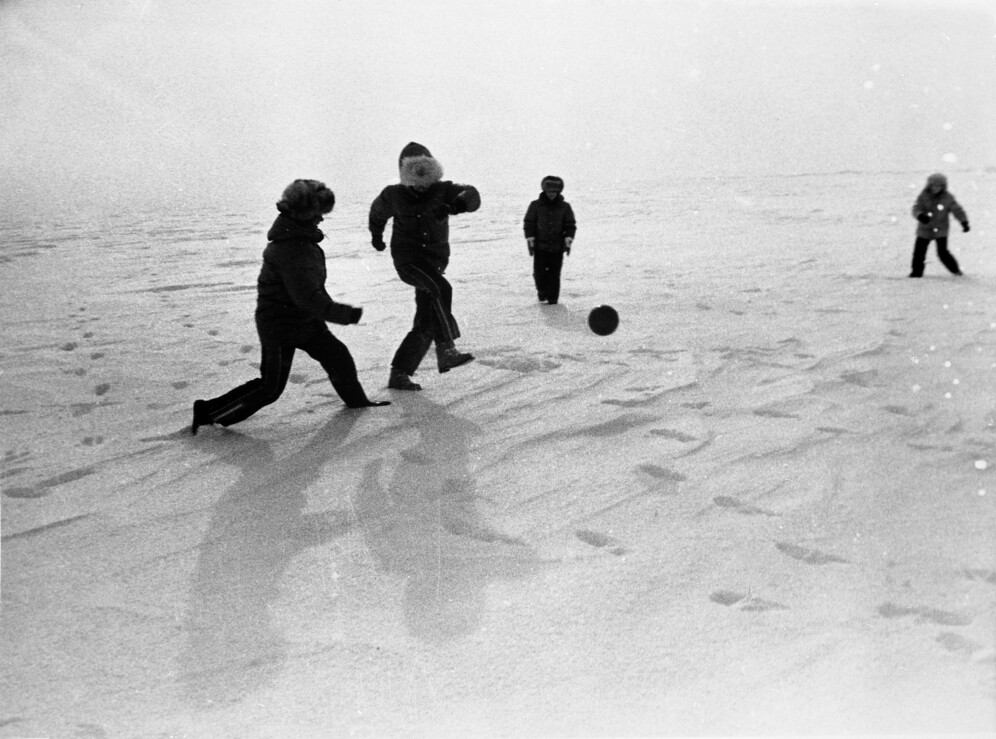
[(338, 364), (919, 256), (238, 404), (433, 300), (436, 293), (946, 257)]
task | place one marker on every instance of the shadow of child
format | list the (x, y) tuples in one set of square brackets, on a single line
[(256, 528), (425, 524)]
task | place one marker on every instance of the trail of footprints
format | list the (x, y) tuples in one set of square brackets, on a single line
[(662, 479), (13, 460), (750, 603)]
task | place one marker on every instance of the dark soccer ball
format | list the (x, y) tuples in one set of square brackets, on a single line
[(603, 320)]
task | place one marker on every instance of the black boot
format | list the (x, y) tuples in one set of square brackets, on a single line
[(400, 380), (351, 392), (449, 357), (370, 404), (201, 416)]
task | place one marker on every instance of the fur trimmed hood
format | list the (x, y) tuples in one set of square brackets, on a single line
[(418, 168), (305, 200), (552, 182)]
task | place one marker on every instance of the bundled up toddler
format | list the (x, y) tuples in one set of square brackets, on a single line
[(550, 227), (933, 209)]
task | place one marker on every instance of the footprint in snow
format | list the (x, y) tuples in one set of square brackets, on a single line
[(923, 613), (748, 603), (897, 409), (809, 556), (958, 643), (988, 576), (746, 509), (859, 378), (673, 435), (773, 413), (41, 489), (599, 540), (662, 473)]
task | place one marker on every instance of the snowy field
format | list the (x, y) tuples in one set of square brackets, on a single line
[(765, 504)]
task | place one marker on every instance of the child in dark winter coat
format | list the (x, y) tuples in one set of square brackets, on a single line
[(933, 208), (421, 206), (292, 309), (550, 227)]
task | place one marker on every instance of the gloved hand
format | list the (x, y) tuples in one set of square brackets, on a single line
[(923, 218), (354, 315), (567, 244), (441, 211), (378, 244), (965, 227), (531, 245)]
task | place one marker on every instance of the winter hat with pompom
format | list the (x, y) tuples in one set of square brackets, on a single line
[(417, 166)]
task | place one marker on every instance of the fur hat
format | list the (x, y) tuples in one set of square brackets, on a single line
[(417, 166), (937, 179), (305, 200), (552, 182)]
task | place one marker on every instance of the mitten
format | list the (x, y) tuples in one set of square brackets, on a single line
[(441, 211), (354, 315), (378, 244), (965, 227), (923, 218)]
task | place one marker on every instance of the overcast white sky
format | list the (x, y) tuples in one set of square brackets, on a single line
[(226, 101)]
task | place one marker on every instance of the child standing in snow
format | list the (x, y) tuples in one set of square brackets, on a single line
[(421, 206), (292, 309), (550, 227), (933, 208)]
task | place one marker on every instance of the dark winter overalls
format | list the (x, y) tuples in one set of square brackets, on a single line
[(421, 251), (291, 312), (549, 222), (933, 211)]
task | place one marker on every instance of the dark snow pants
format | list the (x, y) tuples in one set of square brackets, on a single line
[(920, 256), (433, 320), (546, 273), (238, 404)]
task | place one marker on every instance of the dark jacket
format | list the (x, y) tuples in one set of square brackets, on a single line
[(549, 222), (421, 220), (938, 208), (291, 296)]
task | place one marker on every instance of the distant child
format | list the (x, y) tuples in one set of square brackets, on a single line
[(932, 209), (292, 308), (421, 206), (550, 227)]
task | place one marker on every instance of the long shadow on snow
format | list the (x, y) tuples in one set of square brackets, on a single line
[(425, 525), (257, 527)]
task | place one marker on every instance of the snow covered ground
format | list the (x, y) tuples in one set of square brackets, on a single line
[(766, 504)]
